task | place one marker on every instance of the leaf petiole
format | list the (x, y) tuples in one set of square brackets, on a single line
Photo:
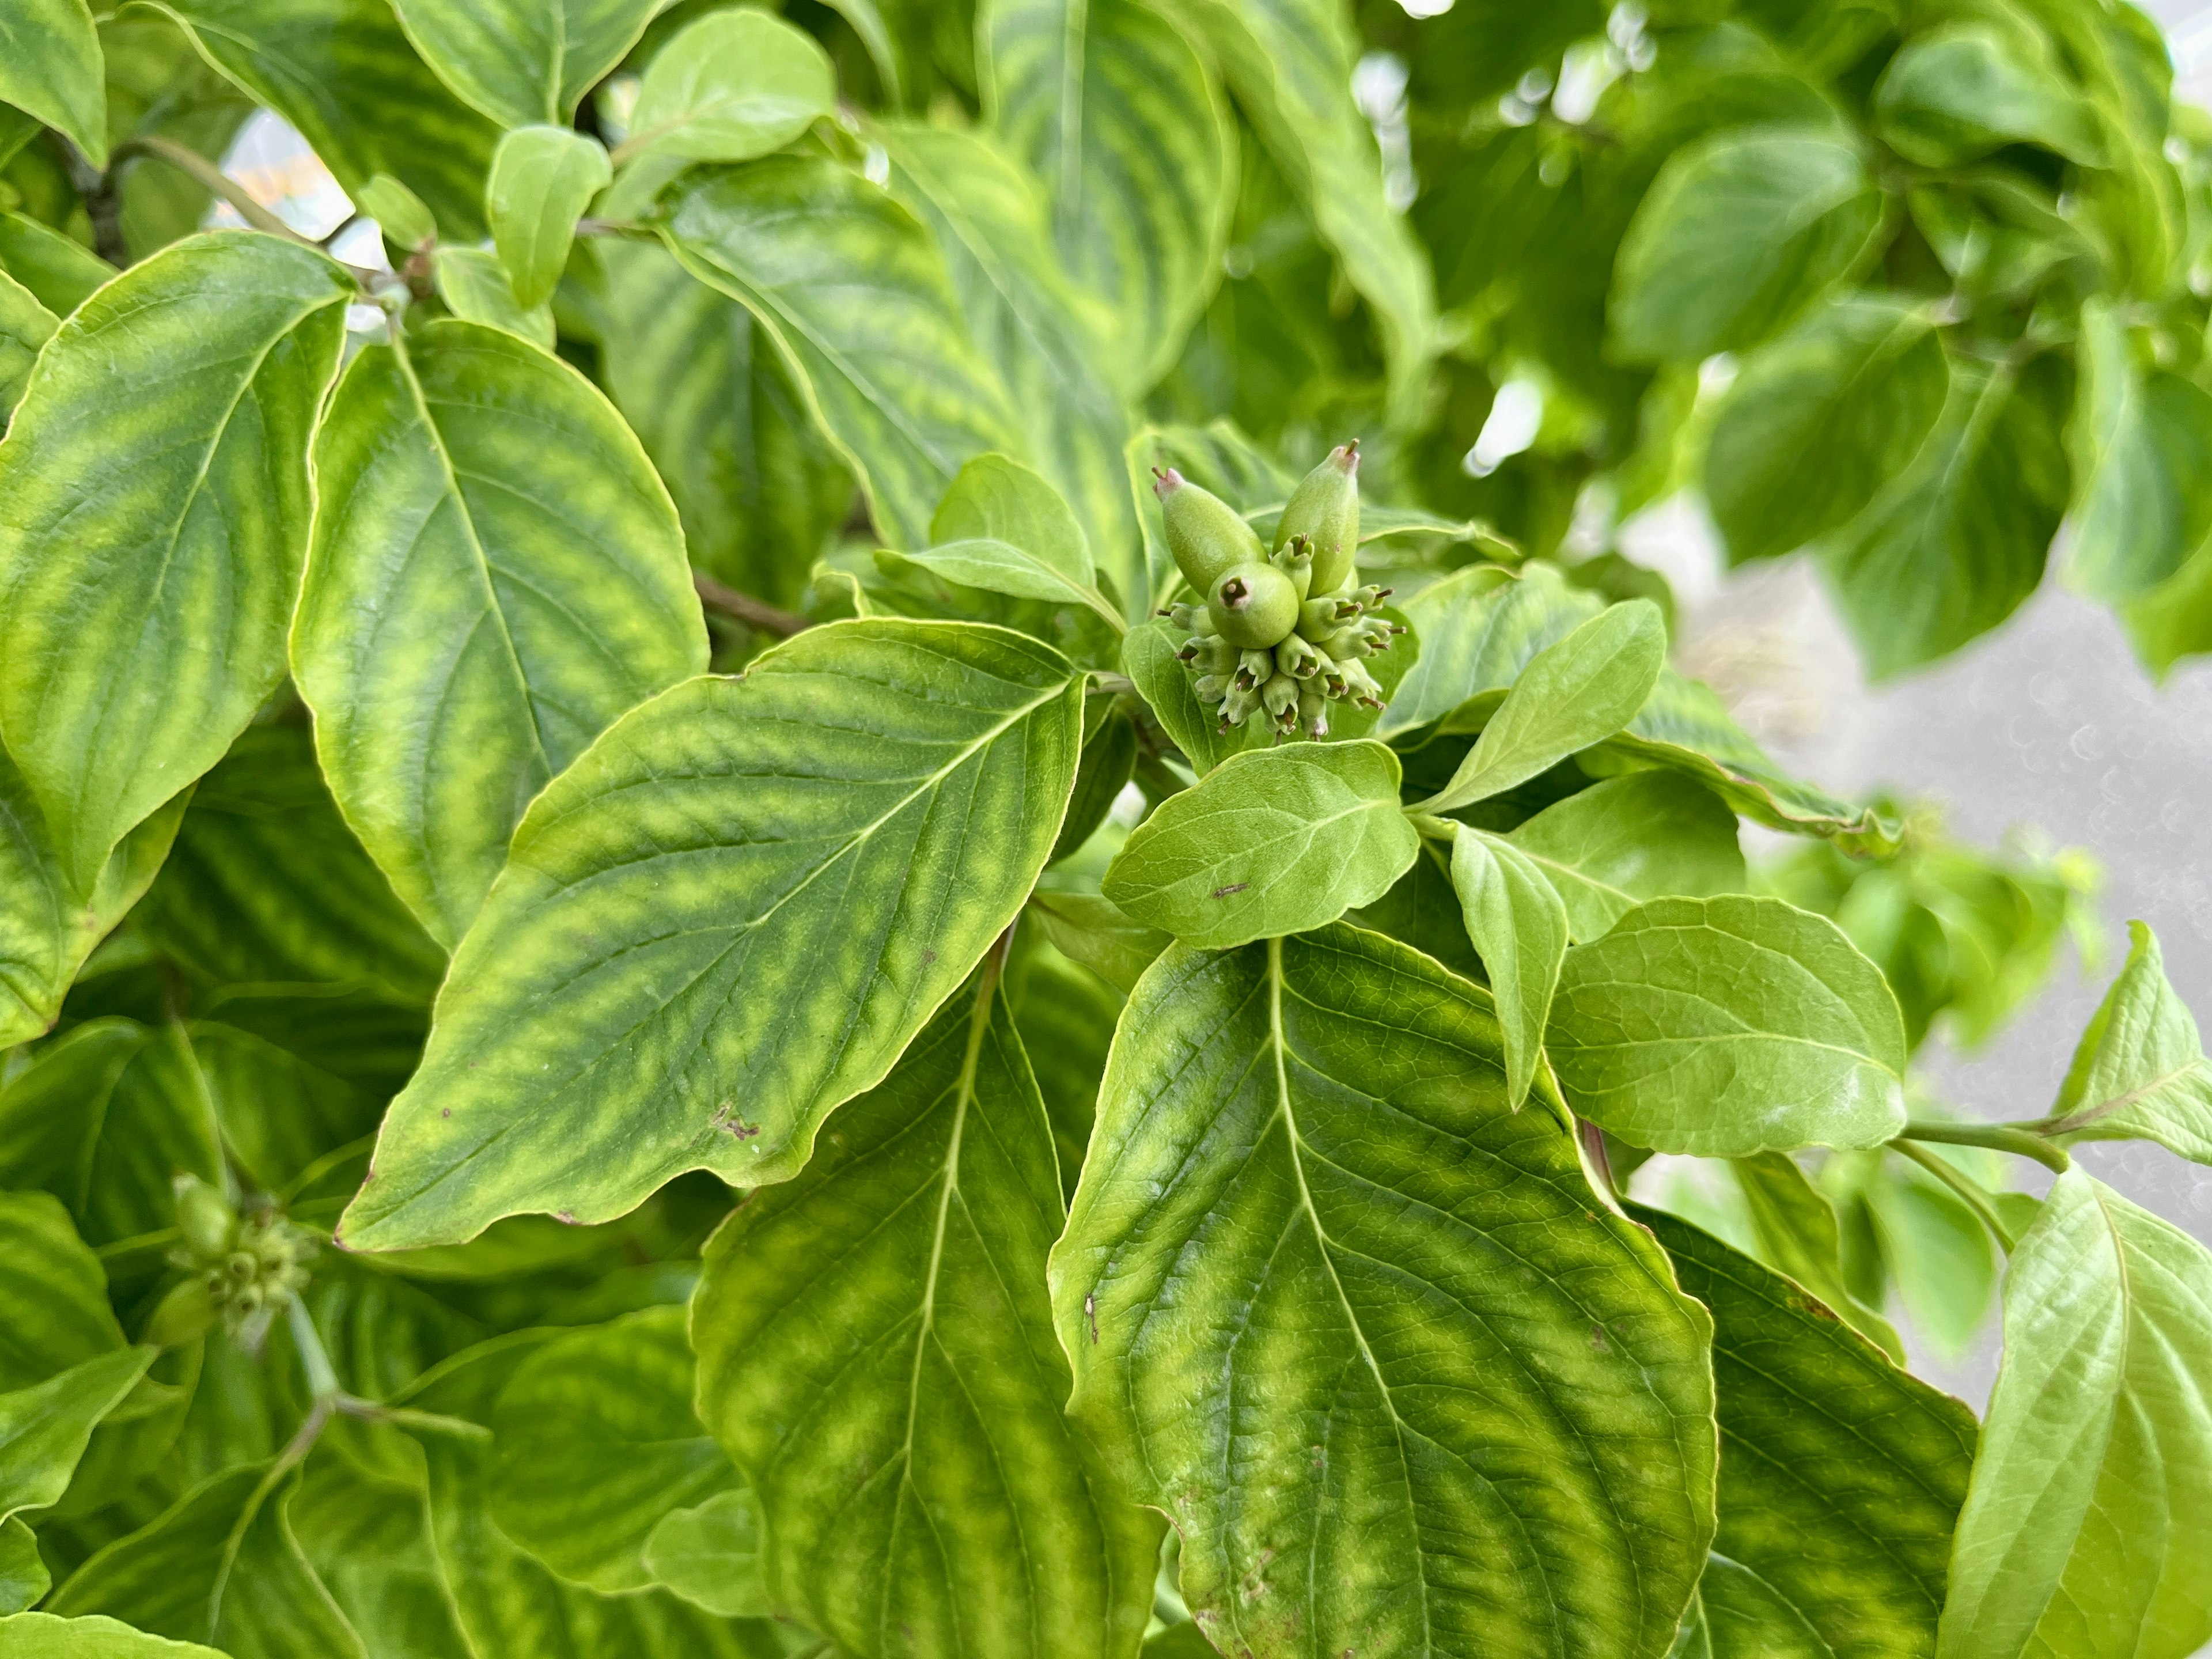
[(1999, 1137), (1971, 1192)]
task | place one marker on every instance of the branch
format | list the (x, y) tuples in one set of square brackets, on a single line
[(214, 180), (754, 613), (1993, 1135)]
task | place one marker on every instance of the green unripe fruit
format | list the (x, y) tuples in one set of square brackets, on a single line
[(1237, 707), (1360, 684), (1325, 509), (1295, 560), (1254, 606), (206, 1218), (1297, 657), (1211, 688), (1319, 618), (1204, 533), (1313, 712), (1280, 697)]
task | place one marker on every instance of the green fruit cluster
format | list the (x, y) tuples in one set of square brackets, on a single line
[(245, 1267), (1282, 631)]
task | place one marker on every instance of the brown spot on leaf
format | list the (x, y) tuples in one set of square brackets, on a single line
[(568, 1217), (1234, 887), (1598, 1344)]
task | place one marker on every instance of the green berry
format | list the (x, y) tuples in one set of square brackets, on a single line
[(206, 1218), (1254, 606), (1204, 533), (1325, 509)]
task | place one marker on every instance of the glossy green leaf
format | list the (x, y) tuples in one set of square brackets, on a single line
[(710, 1555), (1038, 332), (24, 1579), (1519, 929), (733, 85), (1271, 842), (25, 325), (49, 67), (1644, 836), (1478, 628), (759, 489), (1728, 1026), (1126, 127), (1954, 543), (597, 1445), (1939, 1253), (1741, 232), (267, 884), (1795, 1227), (476, 287), (854, 293), (995, 497), (48, 925), (1066, 1014), (1290, 63), (2083, 1530), (2139, 1072), (222, 1566), (1148, 658), (1858, 386), (1957, 93), (2141, 438), (524, 61), (876, 1352), (405, 220), (153, 518), (343, 73), (1091, 929), (44, 1427), (280, 1111), (53, 1293), (1577, 691), (472, 618), (1110, 756), (1422, 910), (542, 180), (1003, 567), (103, 1119), (43, 1636), (60, 273), (835, 837), (1458, 1405), (1841, 1475)]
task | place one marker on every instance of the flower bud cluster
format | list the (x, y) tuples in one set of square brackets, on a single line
[(1279, 633), (245, 1267)]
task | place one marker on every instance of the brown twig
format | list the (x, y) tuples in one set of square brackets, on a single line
[(754, 613)]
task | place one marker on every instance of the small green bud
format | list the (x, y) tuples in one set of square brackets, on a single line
[(186, 1312), (1210, 654), (1212, 688), (1254, 668), (1360, 684), (1190, 617), (204, 1217), (1319, 618), (1313, 712), (1325, 509), (1253, 606), (1295, 560), (1367, 598), (1204, 533), (1297, 657), (1237, 707), (1280, 697)]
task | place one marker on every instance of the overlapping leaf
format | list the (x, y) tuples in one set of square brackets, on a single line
[(2139, 1072), (1644, 836), (472, 617), (1363, 1331), (524, 61), (727, 917), (24, 326), (49, 66)]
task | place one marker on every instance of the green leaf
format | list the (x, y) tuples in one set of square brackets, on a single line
[(1741, 232), (1519, 927), (1002, 567), (1728, 1026), (53, 1293), (476, 288), (49, 67), (25, 325), (340, 72), (267, 884), (597, 1445), (1399, 1379), (472, 617), (1795, 1227), (524, 61), (1859, 386), (1091, 929), (1423, 910), (24, 1579), (406, 223), (876, 1352), (882, 793), (1066, 1014), (143, 605), (1575, 692), (2142, 439), (542, 180), (2083, 1530), (1127, 129), (60, 273), (222, 1567), (855, 294), (1940, 1253), (42, 1636), (1957, 93), (1954, 543), (759, 489), (1271, 842), (710, 1555), (103, 1118), (1841, 1475), (280, 1111), (1034, 329), (730, 86), (1148, 658), (1478, 628), (2139, 1072), (48, 925), (1290, 63), (43, 1428), (1644, 836), (1109, 755)]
